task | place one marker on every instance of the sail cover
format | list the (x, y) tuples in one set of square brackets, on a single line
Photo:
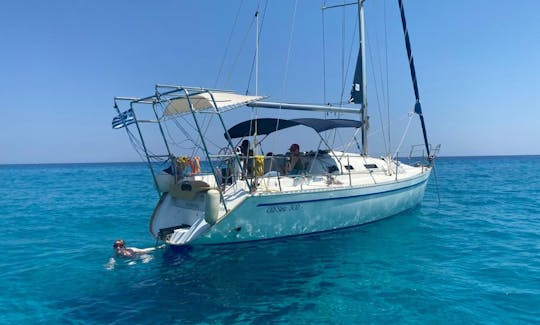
[(201, 101), (265, 126)]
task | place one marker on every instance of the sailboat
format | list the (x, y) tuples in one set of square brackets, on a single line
[(229, 190)]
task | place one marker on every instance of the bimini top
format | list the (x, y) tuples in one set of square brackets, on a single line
[(263, 126), (203, 100)]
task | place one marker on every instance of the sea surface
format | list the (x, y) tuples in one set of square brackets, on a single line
[(471, 257)]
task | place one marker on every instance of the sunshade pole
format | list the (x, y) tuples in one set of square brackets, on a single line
[(228, 136), (204, 145)]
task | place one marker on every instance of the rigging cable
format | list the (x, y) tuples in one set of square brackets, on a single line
[(411, 114), (139, 148), (254, 55), (196, 144), (228, 44), (178, 125), (239, 51), (135, 143), (342, 55), (324, 55), (372, 65), (346, 76), (378, 98), (387, 76), (345, 71), (289, 51), (326, 114), (286, 72)]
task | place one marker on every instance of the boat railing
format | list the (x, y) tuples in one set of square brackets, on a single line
[(417, 154), (257, 168), (272, 172)]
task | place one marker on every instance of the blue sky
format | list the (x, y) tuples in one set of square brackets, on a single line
[(62, 62)]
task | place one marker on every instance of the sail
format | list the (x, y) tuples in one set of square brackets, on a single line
[(357, 89), (223, 101)]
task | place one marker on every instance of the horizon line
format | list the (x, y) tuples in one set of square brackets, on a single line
[(145, 162)]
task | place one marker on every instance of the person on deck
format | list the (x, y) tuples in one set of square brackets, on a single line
[(246, 157), (296, 164), (244, 148)]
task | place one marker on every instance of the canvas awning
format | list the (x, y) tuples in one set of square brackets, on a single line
[(265, 126), (224, 101)]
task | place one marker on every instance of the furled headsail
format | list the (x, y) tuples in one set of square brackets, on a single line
[(417, 105)]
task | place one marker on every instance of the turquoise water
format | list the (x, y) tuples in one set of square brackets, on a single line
[(473, 258)]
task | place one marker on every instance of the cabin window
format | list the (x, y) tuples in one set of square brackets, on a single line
[(348, 167), (371, 166)]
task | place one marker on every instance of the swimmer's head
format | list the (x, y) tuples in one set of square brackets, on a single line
[(119, 244)]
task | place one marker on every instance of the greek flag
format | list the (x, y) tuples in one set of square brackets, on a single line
[(124, 119)]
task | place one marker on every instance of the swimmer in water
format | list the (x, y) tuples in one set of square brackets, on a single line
[(121, 250)]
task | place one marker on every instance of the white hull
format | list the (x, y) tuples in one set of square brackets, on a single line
[(266, 215)]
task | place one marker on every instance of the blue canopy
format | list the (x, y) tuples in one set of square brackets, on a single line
[(268, 125)]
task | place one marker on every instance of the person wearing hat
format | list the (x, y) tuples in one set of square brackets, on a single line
[(296, 164)]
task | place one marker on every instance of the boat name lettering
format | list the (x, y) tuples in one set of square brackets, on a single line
[(284, 208)]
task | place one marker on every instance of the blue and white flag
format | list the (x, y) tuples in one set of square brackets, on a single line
[(124, 119)]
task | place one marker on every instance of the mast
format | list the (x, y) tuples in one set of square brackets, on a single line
[(359, 87), (417, 106)]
